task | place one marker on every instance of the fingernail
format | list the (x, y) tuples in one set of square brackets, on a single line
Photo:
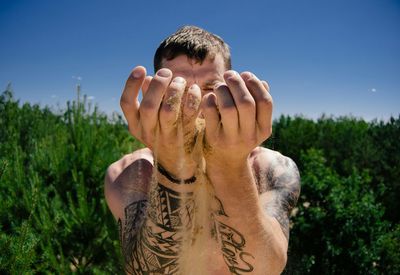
[(179, 80), (219, 84), (211, 100), (137, 73), (194, 86), (192, 101), (164, 72), (230, 73), (247, 75)]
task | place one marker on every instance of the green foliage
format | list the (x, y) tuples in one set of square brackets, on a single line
[(388, 248), (338, 225), (347, 218), (347, 144), (54, 219)]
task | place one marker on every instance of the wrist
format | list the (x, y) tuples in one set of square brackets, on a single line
[(172, 178), (227, 169), (179, 168), (221, 163)]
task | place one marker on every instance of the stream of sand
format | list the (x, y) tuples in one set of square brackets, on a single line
[(193, 256)]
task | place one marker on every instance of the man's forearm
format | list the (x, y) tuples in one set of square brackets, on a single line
[(153, 230), (251, 242), (151, 233)]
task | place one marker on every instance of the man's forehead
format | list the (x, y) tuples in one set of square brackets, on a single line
[(183, 66)]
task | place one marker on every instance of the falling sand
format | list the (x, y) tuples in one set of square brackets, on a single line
[(194, 255)]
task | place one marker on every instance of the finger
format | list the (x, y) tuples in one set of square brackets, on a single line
[(244, 101), (191, 103), (129, 99), (190, 111), (211, 115), (170, 107), (264, 103), (146, 84), (227, 109), (150, 105), (266, 85)]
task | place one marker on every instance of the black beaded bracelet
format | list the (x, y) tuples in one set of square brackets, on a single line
[(171, 178)]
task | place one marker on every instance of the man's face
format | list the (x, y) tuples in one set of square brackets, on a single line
[(205, 75)]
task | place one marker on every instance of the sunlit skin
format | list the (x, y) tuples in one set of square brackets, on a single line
[(242, 119), (237, 109)]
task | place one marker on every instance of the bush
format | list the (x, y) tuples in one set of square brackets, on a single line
[(54, 218), (348, 143), (338, 225)]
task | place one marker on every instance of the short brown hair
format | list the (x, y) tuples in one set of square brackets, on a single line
[(194, 42)]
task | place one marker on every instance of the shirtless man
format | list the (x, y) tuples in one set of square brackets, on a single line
[(254, 188)]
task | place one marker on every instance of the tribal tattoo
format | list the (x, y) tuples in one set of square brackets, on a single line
[(134, 216), (150, 234), (169, 211)]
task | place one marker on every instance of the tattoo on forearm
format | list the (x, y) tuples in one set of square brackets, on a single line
[(169, 211), (218, 210), (134, 216), (151, 234), (232, 244), (151, 243)]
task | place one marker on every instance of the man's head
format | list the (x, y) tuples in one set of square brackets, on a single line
[(196, 55), (195, 43)]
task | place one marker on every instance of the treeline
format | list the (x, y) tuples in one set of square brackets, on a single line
[(54, 219), (347, 218)]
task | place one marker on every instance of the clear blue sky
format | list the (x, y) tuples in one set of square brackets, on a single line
[(319, 56)]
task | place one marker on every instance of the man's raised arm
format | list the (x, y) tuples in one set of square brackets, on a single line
[(238, 118), (153, 218)]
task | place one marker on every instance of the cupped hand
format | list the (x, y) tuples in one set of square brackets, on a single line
[(238, 116), (163, 118)]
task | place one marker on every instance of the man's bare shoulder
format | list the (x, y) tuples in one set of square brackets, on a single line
[(266, 153), (128, 180), (267, 164), (278, 183), (116, 168)]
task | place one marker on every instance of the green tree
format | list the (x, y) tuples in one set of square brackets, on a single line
[(54, 218), (338, 225)]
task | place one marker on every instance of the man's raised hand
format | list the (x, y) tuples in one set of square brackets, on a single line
[(159, 113), (238, 117)]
